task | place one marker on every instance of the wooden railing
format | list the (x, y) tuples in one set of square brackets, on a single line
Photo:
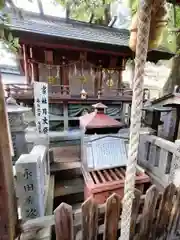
[(18, 89), (27, 90), (154, 216), (58, 90), (157, 156)]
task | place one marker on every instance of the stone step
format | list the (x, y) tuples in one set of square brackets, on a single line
[(63, 166), (66, 170), (66, 153), (69, 187)]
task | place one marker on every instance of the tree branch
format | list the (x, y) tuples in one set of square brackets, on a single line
[(40, 6), (91, 18)]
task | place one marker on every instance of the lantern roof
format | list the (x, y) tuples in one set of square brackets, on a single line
[(98, 119)]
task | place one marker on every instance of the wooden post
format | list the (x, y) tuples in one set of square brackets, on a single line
[(8, 207), (65, 112), (32, 66), (25, 63)]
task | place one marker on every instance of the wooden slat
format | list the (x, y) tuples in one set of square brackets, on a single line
[(101, 176), (107, 175), (8, 207), (64, 222), (148, 215), (119, 174), (67, 187), (61, 166), (123, 171), (164, 211), (114, 175), (66, 153), (89, 220), (175, 217), (86, 175), (112, 215), (135, 211), (95, 177)]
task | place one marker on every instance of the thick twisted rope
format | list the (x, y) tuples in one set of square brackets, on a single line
[(141, 55)]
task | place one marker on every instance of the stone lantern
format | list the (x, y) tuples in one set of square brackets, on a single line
[(17, 127)]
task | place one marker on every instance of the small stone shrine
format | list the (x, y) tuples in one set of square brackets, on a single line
[(102, 147), (17, 127)]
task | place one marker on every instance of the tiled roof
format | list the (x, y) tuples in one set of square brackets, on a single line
[(75, 30), (70, 29), (98, 120)]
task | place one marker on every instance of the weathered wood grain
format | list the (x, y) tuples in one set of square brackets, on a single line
[(112, 215), (64, 222), (158, 220), (164, 212), (148, 214), (66, 187), (8, 207), (174, 221), (135, 212), (89, 220)]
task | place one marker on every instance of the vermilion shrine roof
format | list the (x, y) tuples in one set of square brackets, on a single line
[(98, 119)]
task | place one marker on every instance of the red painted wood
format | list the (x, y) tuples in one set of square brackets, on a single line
[(64, 46), (101, 184)]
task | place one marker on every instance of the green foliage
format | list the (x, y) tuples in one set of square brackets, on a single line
[(177, 16), (133, 5), (5, 35)]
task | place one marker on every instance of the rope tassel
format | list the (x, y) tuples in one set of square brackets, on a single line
[(137, 99)]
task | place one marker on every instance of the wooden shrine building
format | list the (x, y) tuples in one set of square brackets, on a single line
[(163, 115), (74, 57)]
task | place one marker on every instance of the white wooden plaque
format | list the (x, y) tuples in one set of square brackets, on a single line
[(41, 107)]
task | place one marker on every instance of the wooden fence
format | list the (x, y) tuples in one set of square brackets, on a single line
[(157, 156), (155, 216)]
